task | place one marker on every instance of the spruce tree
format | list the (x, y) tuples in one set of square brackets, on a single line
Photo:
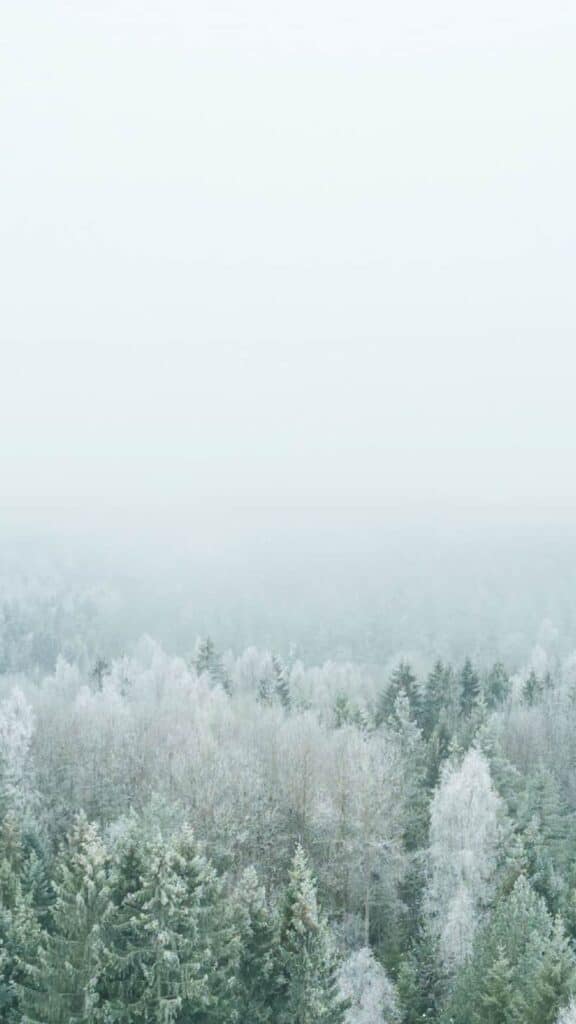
[(469, 688), (281, 683), (434, 699), (496, 686), (255, 967), (533, 689), (402, 683), (123, 977), (307, 990), (172, 948), (524, 955), (498, 1002), (64, 985), (20, 931)]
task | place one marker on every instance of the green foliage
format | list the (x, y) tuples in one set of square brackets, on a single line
[(63, 982), (307, 988), (256, 930), (522, 968), (469, 681), (402, 683)]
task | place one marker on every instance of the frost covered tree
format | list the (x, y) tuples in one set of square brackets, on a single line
[(522, 968), (20, 931), (402, 682), (64, 979), (171, 950), (567, 1014), (469, 687), (364, 984), (257, 936), (464, 838), (16, 732), (308, 990)]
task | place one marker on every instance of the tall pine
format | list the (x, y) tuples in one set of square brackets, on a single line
[(307, 989)]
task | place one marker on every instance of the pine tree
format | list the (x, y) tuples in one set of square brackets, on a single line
[(123, 978), (307, 991), (496, 686), (419, 983), (548, 834), (524, 954), (172, 949), (498, 1003), (281, 683), (204, 655), (551, 974), (533, 689), (66, 975), (435, 698), (469, 688), (256, 931), (402, 683), (19, 927), (207, 660)]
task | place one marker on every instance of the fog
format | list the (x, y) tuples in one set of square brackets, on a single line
[(288, 306)]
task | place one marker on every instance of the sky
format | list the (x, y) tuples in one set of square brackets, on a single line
[(305, 256)]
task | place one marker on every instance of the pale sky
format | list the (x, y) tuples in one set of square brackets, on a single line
[(305, 254)]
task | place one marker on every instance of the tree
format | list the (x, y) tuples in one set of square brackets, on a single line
[(123, 979), (307, 991), (496, 686), (469, 688), (533, 689), (172, 952), (20, 931), (522, 968), (254, 970), (281, 683), (16, 732), (568, 1014), (364, 984), (207, 660), (464, 839), (435, 698), (402, 682), (548, 837), (64, 985)]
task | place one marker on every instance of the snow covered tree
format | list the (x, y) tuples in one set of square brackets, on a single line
[(307, 990), (364, 984), (123, 978), (402, 682), (172, 950), (254, 970), (464, 838), (496, 686), (522, 968), (16, 732), (207, 660), (533, 689), (548, 832), (498, 1002), (568, 1014), (436, 697), (19, 927), (64, 980), (469, 687), (281, 683)]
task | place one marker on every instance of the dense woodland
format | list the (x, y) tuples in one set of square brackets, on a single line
[(214, 837)]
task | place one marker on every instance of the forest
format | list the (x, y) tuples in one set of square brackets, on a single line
[(211, 836)]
